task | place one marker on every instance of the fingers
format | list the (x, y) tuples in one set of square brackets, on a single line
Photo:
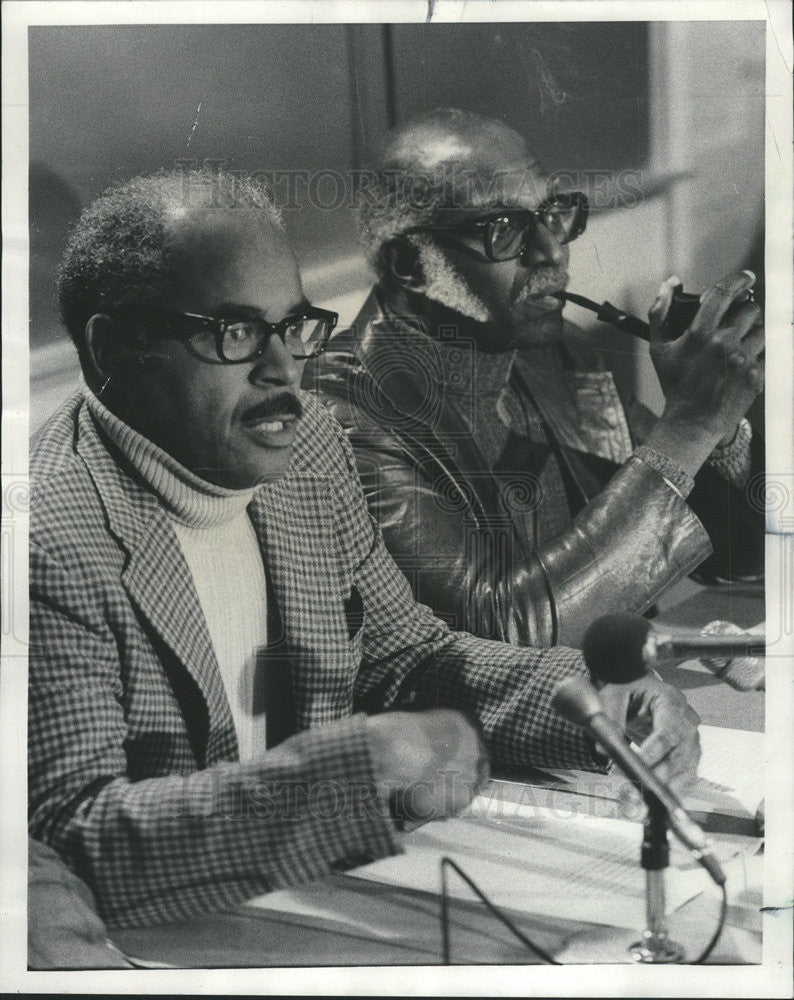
[(661, 306), (751, 370), (751, 351), (740, 321), (753, 343), (716, 302), (673, 747), (630, 801), (727, 303), (711, 374), (676, 770), (657, 747)]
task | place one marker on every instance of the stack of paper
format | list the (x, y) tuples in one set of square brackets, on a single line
[(724, 798), (566, 850), (535, 861)]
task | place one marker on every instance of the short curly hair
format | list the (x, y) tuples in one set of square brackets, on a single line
[(120, 250)]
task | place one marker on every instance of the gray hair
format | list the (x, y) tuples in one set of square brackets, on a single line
[(412, 183), (421, 175), (120, 251)]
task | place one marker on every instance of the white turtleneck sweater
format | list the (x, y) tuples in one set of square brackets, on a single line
[(222, 552)]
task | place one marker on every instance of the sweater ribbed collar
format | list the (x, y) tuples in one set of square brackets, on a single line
[(186, 497)]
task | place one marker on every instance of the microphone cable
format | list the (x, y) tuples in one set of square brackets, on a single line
[(493, 909), (720, 925)]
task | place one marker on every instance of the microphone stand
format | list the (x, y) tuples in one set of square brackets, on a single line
[(577, 701), (655, 947)]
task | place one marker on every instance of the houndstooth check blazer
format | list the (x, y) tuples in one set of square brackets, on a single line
[(133, 769)]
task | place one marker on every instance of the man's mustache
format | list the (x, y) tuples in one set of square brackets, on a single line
[(541, 281), (285, 403)]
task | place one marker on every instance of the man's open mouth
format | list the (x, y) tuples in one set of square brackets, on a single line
[(275, 414), (273, 426)]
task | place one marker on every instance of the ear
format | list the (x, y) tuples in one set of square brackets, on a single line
[(403, 264), (108, 349)]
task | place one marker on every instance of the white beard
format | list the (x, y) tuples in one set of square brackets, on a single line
[(444, 285)]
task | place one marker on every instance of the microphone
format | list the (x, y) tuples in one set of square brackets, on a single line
[(577, 701), (619, 648)]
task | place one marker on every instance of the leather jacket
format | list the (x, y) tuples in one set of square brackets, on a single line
[(449, 520)]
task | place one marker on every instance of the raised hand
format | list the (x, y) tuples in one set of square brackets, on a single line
[(711, 374)]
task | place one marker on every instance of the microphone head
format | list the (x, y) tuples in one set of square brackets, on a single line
[(614, 648), (576, 700)]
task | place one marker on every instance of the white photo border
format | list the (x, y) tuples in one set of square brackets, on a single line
[(774, 976)]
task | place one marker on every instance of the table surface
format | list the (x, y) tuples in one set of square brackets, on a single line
[(345, 921), (407, 932)]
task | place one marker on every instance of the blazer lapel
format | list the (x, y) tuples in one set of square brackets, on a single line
[(294, 523), (159, 583)]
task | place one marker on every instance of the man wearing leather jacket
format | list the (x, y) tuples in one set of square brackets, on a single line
[(502, 465)]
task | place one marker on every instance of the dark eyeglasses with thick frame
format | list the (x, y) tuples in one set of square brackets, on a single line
[(227, 341), (505, 234)]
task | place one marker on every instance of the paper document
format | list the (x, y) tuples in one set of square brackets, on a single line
[(326, 903), (561, 849), (730, 784), (731, 772), (572, 867)]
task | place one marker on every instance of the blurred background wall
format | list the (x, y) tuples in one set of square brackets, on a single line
[(661, 123)]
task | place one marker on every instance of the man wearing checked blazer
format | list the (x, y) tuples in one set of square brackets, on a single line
[(232, 689)]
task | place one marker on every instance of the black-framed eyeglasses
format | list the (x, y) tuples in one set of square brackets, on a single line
[(505, 234), (219, 340)]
